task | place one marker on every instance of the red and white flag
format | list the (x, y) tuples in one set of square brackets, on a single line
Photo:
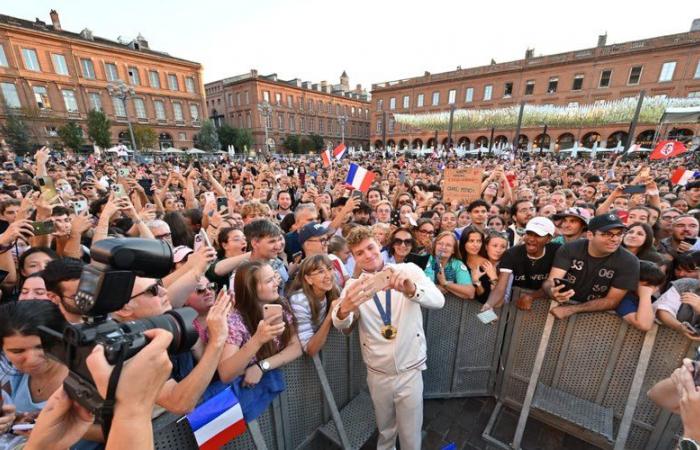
[(668, 149), (326, 157), (339, 151), (681, 176)]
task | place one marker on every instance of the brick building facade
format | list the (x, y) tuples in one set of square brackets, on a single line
[(297, 108), (51, 76), (666, 65)]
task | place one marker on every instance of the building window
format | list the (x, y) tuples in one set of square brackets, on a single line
[(392, 103), (508, 90), (695, 94), (301, 123), (488, 90), (9, 92), (42, 97), (452, 96), (406, 103), (134, 77), (140, 107), (112, 72), (529, 87), (697, 70), (154, 79), (280, 121), (189, 85), (552, 86), (667, 71), (31, 62), (292, 122), (88, 69), (69, 100), (320, 126), (290, 101), (172, 82), (469, 95), (229, 99), (578, 83), (310, 104), (51, 131), (194, 113), (266, 96), (160, 109), (390, 126), (177, 112), (605, 77), (95, 101), (379, 126), (3, 58), (246, 99), (119, 108), (238, 99), (330, 109), (635, 75), (59, 64), (380, 105), (436, 98), (420, 100), (278, 98)]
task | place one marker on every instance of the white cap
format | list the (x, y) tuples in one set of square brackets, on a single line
[(541, 226), (180, 253)]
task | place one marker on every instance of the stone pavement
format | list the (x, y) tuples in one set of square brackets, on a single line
[(461, 421)]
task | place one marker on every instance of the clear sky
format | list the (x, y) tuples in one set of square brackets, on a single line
[(374, 40)]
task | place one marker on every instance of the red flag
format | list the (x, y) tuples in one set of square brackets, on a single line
[(668, 149), (339, 151), (326, 157)]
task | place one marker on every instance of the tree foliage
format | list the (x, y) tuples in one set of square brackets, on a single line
[(145, 136), (292, 143), (99, 128), (208, 138), (16, 134), (72, 136)]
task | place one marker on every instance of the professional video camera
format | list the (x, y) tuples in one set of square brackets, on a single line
[(105, 286)]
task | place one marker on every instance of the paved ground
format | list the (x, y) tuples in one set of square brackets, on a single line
[(461, 421)]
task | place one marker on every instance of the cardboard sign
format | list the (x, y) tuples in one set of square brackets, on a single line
[(462, 185)]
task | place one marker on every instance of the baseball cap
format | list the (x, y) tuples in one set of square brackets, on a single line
[(605, 222), (180, 253), (579, 213), (692, 184), (541, 226), (311, 230)]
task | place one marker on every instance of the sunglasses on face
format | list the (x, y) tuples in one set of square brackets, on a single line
[(152, 290), (205, 288), (406, 242)]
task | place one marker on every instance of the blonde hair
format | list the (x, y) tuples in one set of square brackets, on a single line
[(359, 234), (254, 208)]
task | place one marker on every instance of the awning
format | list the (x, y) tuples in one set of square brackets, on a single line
[(690, 114)]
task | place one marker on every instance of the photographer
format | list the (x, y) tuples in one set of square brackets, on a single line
[(188, 381)]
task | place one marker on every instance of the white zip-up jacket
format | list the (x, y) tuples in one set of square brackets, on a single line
[(408, 350)]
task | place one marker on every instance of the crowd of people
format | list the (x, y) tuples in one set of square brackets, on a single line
[(274, 253)]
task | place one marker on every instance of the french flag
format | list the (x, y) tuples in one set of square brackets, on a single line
[(339, 151), (217, 421), (682, 176), (326, 157), (359, 178)]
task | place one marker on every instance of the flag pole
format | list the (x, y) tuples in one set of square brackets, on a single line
[(633, 125)]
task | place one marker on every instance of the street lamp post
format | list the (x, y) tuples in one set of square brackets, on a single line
[(342, 120), (124, 92), (266, 113)]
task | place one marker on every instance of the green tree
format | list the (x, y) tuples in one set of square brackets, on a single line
[(244, 138), (16, 133), (292, 143), (227, 136), (208, 138), (72, 136), (99, 128), (145, 136), (317, 143), (306, 145)]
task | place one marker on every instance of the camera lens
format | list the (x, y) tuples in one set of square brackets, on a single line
[(179, 322)]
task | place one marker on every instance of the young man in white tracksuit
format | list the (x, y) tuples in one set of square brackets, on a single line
[(391, 336)]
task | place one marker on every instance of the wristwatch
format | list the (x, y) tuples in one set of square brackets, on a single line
[(688, 444), (264, 365)]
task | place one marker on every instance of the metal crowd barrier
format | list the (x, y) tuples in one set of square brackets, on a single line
[(594, 371)]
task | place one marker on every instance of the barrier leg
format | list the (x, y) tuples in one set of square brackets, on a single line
[(637, 381), (328, 395), (256, 434), (532, 385)]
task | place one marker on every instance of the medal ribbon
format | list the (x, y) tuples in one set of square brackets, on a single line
[(385, 312)]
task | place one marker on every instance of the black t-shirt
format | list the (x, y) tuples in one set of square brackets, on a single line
[(593, 277), (528, 273)]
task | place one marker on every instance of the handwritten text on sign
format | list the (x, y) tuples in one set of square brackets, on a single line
[(462, 185)]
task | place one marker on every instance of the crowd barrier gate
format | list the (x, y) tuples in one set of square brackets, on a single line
[(590, 359)]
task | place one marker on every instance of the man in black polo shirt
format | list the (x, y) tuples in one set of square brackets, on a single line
[(599, 269), (529, 264)]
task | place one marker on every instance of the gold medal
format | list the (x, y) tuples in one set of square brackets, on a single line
[(389, 332)]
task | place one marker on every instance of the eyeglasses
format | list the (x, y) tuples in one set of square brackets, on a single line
[(428, 232), (163, 236), (668, 217), (152, 289), (208, 287), (321, 271), (523, 210), (322, 241), (406, 242), (609, 235)]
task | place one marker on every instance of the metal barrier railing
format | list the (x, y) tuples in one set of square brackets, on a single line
[(591, 358)]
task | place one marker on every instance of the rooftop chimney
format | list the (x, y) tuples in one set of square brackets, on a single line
[(602, 39), (55, 20), (529, 53), (695, 26)]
